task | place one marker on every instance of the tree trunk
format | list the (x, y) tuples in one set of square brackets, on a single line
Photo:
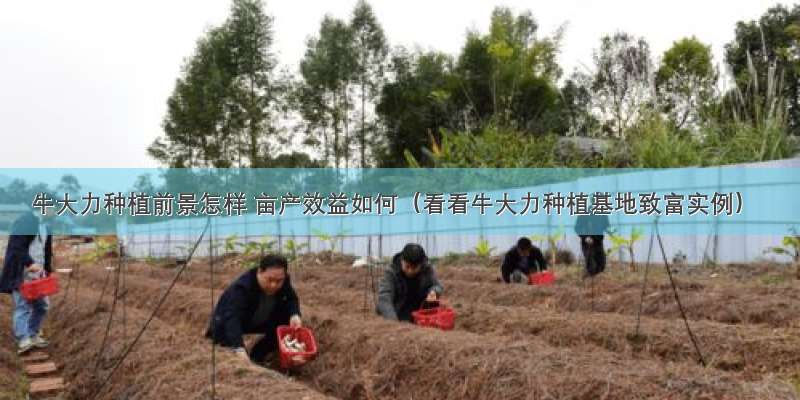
[(254, 158), (253, 120), (336, 153), (346, 129), (326, 146), (363, 124)]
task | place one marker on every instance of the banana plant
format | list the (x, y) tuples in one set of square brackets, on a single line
[(482, 249), (791, 247), (326, 237), (232, 243), (292, 248), (102, 247), (627, 243), (265, 245), (332, 240)]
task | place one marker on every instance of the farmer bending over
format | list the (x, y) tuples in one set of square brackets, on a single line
[(258, 302), (407, 283), (522, 260)]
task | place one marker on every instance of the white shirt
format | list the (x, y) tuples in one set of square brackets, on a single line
[(36, 250)]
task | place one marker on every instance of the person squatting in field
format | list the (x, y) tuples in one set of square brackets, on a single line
[(408, 283), (29, 256), (591, 230), (521, 260), (257, 302)]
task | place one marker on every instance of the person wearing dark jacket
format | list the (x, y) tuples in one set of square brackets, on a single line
[(521, 260), (258, 302), (407, 284), (28, 256), (591, 231)]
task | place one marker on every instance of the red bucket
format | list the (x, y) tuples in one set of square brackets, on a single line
[(303, 335), (542, 278), (440, 317), (38, 288)]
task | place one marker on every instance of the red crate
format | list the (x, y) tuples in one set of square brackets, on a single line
[(440, 317), (305, 336), (38, 288), (542, 278)]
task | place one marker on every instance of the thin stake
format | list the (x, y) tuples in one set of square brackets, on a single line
[(152, 315), (213, 326), (678, 299), (644, 285), (108, 324)]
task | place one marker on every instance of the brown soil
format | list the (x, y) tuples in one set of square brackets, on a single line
[(364, 357)]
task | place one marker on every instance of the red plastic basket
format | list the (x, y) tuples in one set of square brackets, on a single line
[(305, 336), (38, 288), (440, 317), (542, 278)]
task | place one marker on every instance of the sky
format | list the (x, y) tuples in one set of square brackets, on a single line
[(84, 84)]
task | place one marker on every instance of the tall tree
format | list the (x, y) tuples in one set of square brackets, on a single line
[(685, 81), (221, 112), (771, 42), (328, 70), (196, 127), (508, 75), (256, 88), (622, 85), (69, 184), (415, 104), (575, 108), (371, 51)]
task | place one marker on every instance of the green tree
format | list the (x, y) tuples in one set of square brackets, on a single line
[(507, 77), (502, 79), (69, 183), (415, 105), (621, 84), (685, 81), (222, 110), (144, 184), (771, 42), (576, 108), (371, 51), (196, 127), (327, 70), (256, 88)]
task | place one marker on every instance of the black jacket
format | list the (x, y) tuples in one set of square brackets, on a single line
[(393, 294), (237, 305), (536, 262), (17, 253)]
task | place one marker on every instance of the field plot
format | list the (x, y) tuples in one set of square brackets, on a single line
[(510, 342)]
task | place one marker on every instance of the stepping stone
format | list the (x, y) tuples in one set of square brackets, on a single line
[(43, 386), (41, 369), (36, 356)]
